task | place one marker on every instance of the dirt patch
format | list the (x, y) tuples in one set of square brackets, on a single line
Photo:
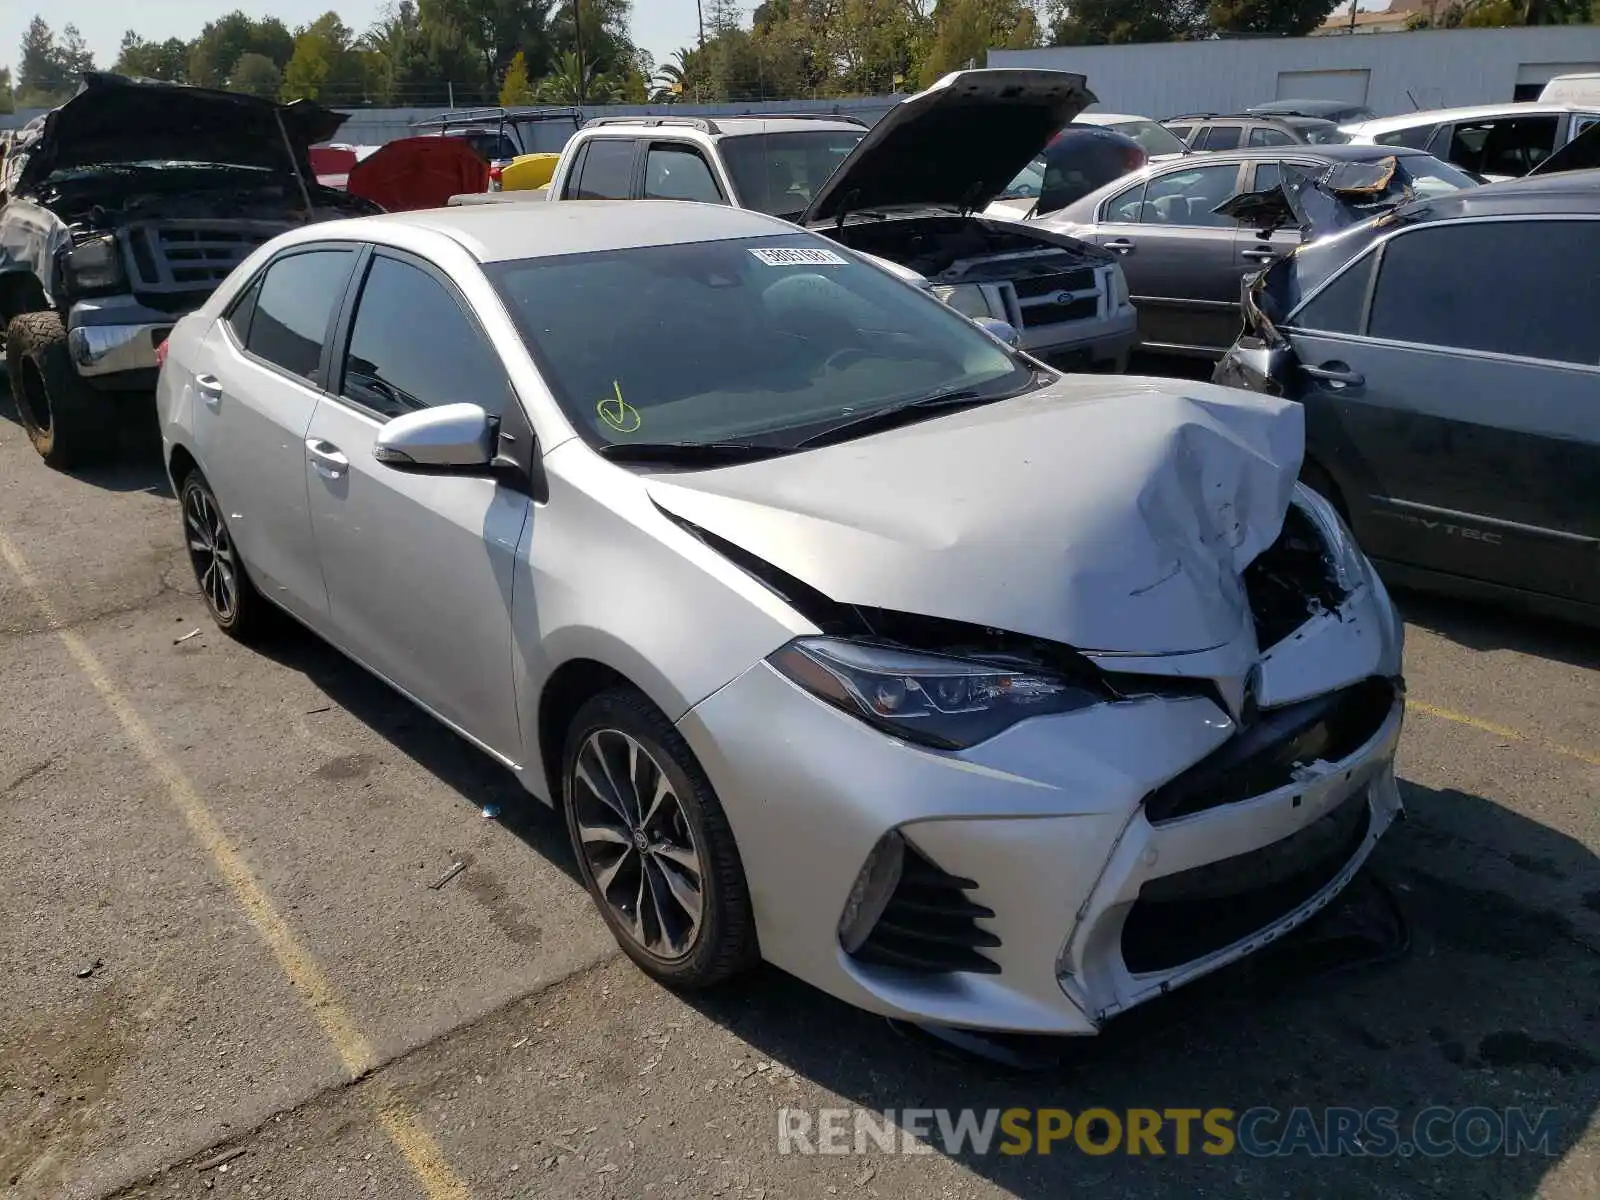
[(53, 1078)]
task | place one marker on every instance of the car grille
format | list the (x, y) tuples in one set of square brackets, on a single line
[(1038, 303), (930, 925), (1183, 917), (182, 256), (1263, 755)]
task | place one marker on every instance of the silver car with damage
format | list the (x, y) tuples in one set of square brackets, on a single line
[(843, 635)]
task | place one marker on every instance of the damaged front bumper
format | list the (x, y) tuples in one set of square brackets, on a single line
[(1046, 889)]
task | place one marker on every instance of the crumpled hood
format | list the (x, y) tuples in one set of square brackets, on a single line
[(113, 119), (1110, 515)]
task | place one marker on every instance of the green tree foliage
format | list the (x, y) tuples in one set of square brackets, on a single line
[(515, 88), (964, 30), (48, 68), (309, 68), (8, 101), (1106, 22), (221, 42), (256, 75), (1470, 14), (1293, 18), (167, 60)]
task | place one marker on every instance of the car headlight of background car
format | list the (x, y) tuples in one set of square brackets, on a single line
[(974, 300), (93, 265), (937, 700)]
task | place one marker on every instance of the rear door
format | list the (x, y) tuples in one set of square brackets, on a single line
[(1469, 412), (1178, 254), (1255, 250), (419, 568), (267, 362)]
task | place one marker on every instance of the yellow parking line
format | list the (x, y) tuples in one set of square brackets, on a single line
[(1513, 735), (420, 1151)]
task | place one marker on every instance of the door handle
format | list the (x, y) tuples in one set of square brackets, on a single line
[(210, 388), (1336, 373), (326, 458), (1119, 245), (1260, 254)]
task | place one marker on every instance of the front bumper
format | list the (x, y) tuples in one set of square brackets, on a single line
[(103, 350), (1100, 342), (1048, 823)]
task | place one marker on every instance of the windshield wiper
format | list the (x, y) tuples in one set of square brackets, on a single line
[(690, 453), (904, 414)]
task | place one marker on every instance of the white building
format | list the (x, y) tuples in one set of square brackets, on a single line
[(1396, 73)]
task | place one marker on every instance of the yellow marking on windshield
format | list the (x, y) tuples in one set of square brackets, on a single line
[(617, 413)]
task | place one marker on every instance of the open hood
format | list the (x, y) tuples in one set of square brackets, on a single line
[(958, 144), (114, 119), (1326, 200), (419, 172), (1103, 514), (1582, 153)]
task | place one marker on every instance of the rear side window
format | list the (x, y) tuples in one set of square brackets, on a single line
[(412, 347), (1266, 135), (243, 309), (606, 172), (679, 173), (1339, 307), (293, 307), (1218, 137), (1541, 304)]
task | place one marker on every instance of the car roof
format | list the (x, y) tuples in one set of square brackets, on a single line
[(539, 228), (720, 126), (1105, 118), (1332, 151), (1435, 116)]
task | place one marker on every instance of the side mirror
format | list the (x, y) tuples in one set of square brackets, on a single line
[(1002, 330), (451, 437)]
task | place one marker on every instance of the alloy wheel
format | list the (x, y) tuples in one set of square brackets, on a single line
[(638, 844), (216, 565)]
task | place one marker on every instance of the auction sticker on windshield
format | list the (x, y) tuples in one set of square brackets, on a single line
[(799, 257)]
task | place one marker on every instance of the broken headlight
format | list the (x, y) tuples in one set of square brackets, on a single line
[(941, 701), (970, 300), (1350, 566), (93, 265)]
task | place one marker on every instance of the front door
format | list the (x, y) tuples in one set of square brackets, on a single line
[(252, 407), (419, 568), (1179, 256), (1469, 413)]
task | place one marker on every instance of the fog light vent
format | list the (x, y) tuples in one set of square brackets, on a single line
[(926, 922)]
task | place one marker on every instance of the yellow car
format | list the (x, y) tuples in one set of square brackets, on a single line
[(526, 172)]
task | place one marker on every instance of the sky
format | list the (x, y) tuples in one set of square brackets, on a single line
[(660, 26)]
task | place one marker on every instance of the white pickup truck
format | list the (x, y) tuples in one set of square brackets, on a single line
[(907, 191)]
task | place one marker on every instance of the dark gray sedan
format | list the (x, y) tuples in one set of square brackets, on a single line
[(1184, 261)]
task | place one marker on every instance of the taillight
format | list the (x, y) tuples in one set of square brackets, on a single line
[(494, 179), (161, 352)]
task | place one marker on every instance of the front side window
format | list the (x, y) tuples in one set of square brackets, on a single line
[(751, 338), (412, 347), (606, 172), (779, 173), (1540, 303), (1125, 208), (679, 173), (1181, 132), (1219, 137), (293, 307), (1510, 146), (1189, 197)]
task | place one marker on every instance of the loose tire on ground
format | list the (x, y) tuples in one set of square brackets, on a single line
[(68, 423), (724, 943)]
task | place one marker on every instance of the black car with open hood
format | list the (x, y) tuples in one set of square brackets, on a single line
[(124, 208)]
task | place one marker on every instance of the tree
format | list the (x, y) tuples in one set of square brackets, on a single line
[(1288, 18), (256, 75), (963, 31), (8, 103), (1105, 22), (515, 88), (74, 53), (576, 83), (167, 60), (308, 69), (222, 41), (41, 76)]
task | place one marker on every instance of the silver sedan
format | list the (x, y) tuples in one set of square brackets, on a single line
[(843, 635)]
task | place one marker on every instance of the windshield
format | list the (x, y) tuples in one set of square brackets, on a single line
[(1026, 185), (1152, 138), (1320, 133), (779, 173), (711, 342), (1433, 177)]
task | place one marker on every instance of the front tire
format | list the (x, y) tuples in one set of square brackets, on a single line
[(69, 424), (232, 600), (653, 844)]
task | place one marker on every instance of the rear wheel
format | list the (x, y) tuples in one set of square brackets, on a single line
[(654, 845), (69, 424), (235, 605)]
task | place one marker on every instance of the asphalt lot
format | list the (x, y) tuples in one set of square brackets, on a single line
[(217, 933)]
